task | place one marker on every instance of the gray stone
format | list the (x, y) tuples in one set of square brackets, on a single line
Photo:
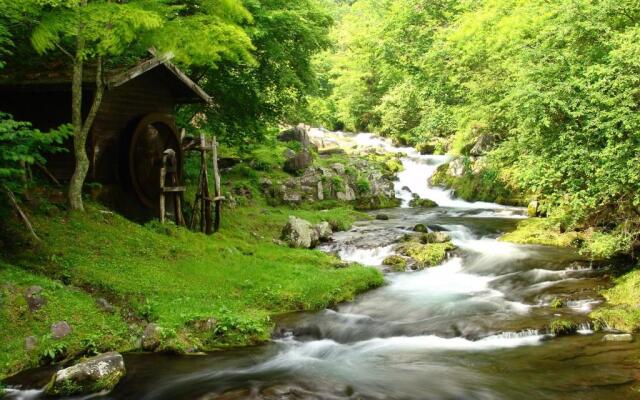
[(324, 231), (532, 209), (382, 217), (291, 196), (151, 337), (288, 153), (34, 298), (320, 194), (96, 374), (338, 168), (456, 168), (297, 134), (30, 343), (299, 233), (60, 329), (298, 162), (623, 337), (348, 195), (483, 145), (105, 305)]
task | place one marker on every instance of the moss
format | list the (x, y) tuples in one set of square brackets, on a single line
[(622, 311), (69, 387), (556, 303), (484, 185), (424, 203), (541, 231), (563, 327), (426, 255), (420, 228), (397, 263)]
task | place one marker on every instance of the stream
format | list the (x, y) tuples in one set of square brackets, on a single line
[(473, 327)]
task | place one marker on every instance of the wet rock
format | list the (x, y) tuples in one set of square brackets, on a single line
[(623, 337), (97, 374), (563, 327), (532, 209), (151, 337), (420, 228), (324, 231), (397, 263), (406, 189), (30, 343), (298, 162), (60, 329), (105, 305), (34, 298), (426, 148), (424, 203), (299, 233), (382, 217), (436, 237)]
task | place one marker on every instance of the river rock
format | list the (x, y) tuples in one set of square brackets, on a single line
[(324, 231), (382, 217), (623, 337), (420, 228), (299, 233), (424, 203), (60, 329), (96, 374), (532, 209), (34, 298), (151, 337)]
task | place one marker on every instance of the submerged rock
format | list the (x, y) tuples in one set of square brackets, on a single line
[(96, 374), (299, 233), (623, 337), (382, 217)]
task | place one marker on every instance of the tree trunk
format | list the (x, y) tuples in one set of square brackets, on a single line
[(80, 129), (79, 142)]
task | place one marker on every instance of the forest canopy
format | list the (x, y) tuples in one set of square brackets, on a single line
[(553, 84)]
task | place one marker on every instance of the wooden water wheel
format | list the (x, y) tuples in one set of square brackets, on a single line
[(152, 137)]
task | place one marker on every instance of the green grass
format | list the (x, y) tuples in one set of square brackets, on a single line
[(174, 277), (64, 303), (563, 327), (622, 310)]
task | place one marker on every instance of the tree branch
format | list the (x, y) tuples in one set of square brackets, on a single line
[(21, 213)]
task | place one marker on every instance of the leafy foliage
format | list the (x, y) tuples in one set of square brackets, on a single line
[(21, 145)]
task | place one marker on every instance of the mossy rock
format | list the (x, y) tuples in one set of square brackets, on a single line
[(93, 375), (563, 327), (420, 228), (397, 263), (426, 255), (424, 203)]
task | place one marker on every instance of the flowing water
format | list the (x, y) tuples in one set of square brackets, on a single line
[(473, 327)]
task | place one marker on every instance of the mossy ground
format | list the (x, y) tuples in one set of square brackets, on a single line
[(622, 311), (541, 231), (167, 275)]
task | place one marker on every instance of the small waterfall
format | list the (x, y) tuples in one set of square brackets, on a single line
[(585, 328)]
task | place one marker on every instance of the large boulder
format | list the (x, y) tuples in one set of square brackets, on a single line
[(296, 134), (299, 233), (324, 231), (533, 208), (97, 374), (299, 162)]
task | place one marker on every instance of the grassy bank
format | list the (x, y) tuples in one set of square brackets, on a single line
[(166, 275)]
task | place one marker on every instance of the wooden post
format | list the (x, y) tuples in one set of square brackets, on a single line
[(217, 189), (163, 174)]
